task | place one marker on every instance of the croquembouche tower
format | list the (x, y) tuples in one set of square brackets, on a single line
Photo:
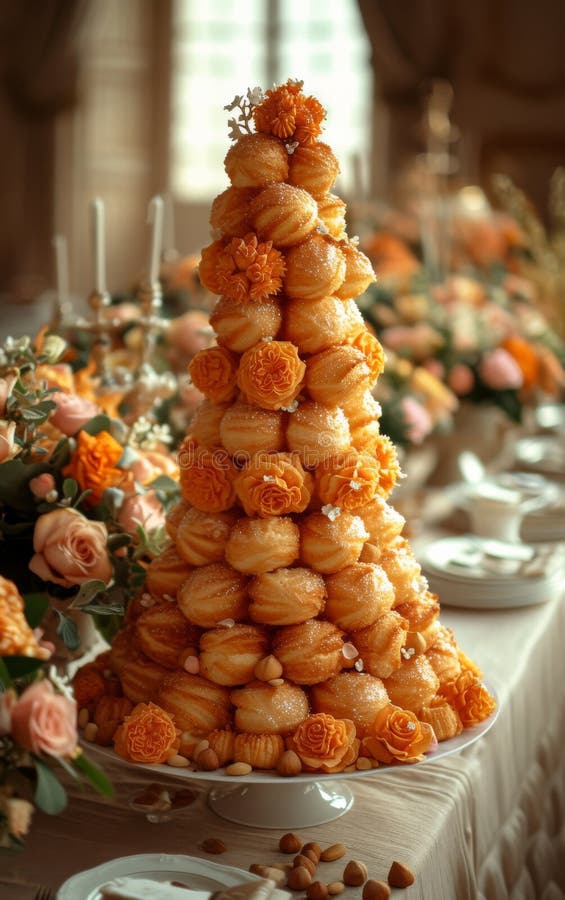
[(288, 626)]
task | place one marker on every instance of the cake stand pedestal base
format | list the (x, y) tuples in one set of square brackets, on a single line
[(287, 805)]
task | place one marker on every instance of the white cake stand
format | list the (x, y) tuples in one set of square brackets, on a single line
[(266, 800)]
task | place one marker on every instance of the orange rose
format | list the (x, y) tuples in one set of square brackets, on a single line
[(274, 484), (389, 468), (213, 372), (348, 480), (93, 463), (526, 357), (470, 698), (243, 269), (288, 114), (148, 735), (206, 477), (368, 344), (397, 736), (325, 744), (271, 374)]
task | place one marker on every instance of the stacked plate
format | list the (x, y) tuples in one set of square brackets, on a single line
[(542, 453), (474, 572)]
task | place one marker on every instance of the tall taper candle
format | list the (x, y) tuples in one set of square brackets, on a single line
[(99, 244), (155, 218)]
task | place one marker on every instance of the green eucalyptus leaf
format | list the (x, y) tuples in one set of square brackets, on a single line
[(5, 677), (97, 778), (70, 487), (103, 609), (35, 607), (88, 591), (97, 424), (115, 541), (21, 666), (50, 795), (67, 631)]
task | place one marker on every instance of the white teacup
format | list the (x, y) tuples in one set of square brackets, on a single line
[(496, 513)]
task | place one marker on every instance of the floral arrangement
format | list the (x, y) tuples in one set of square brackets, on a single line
[(38, 723)]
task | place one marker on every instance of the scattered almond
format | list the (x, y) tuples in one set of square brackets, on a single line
[(415, 641), (290, 843), (83, 718), (317, 891), (90, 732), (355, 873), (304, 861), (400, 875), (314, 848), (208, 760), (201, 745), (289, 764), (239, 768), (177, 761), (276, 875), (336, 851), (335, 887), (268, 668), (376, 890), (213, 845), (299, 879), (363, 763)]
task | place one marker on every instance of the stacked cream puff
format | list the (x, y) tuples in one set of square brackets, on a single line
[(288, 589)]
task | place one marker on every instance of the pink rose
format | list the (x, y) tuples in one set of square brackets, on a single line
[(417, 341), (190, 332), (461, 379), (70, 549), (417, 418), (8, 446), (72, 412), (142, 509), (44, 721), (42, 485), (500, 371)]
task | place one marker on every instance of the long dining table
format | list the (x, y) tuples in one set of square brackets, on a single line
[(485, 823)]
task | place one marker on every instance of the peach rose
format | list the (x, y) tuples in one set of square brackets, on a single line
[(7, 383), (70, 549), (368, 344), (273, 484), (206, 477), (42, 485), (150, 464), (500, 371), (271, 374), (348, 480), (93, 463), (325, 744), (72, 413), (147, 735), (8, 446), (470, 698), (213, 372), (142, 509), (45, 722), (397, 736)]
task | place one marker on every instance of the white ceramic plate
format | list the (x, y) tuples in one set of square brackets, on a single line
[(198, 874)]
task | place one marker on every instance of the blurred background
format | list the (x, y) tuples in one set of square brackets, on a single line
[(123, 99)]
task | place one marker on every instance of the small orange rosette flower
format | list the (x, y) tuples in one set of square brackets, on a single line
[(371, 348), (206, 477), (244, 269), (274, 484), (147, 735), (469, 697), (389, 467), (271, 374), (93, 464), (348, 480), (288, 114), (213, 372), (325, 744), (396, 735)]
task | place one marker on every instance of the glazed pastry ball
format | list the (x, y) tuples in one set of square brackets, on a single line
[(162, 632), (261, 751), (229, 655), (379, 645), (359, 273), (262, 708), (258, 545), (314, 269), (336, 374), (174, 517), (331, 212), (198, 705), (286, 596), (350, 695), (230, 211), (283, 214), (239, 326), (317, 432), (358, 595), (421, 611), (140, 678), (256, 160), (212, 594), (328, 545), (246, 430), (443, 655), (166, 573), (205, 423), (363, 413), (201, 536), (402, 568), (314, 168), (122, 649), (309, 652), (413, 685), (315, 325), (383, 522)]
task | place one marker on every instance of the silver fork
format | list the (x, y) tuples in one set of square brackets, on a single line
[(44, 893)]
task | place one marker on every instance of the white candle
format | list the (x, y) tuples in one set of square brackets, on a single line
[(99, 245), (61, 268), (155, 218), (169, 245)]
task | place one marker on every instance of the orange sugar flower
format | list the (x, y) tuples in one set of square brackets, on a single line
[(526, 357), (213, 372), (147, 735), (370, 346), (287, 114), (469, 697), (271, 374), (348, 480), (93, 463), (325, 744), (206, 477), (244, 269), (389, 468), (16, 636), (274, 484), (396, 735)]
